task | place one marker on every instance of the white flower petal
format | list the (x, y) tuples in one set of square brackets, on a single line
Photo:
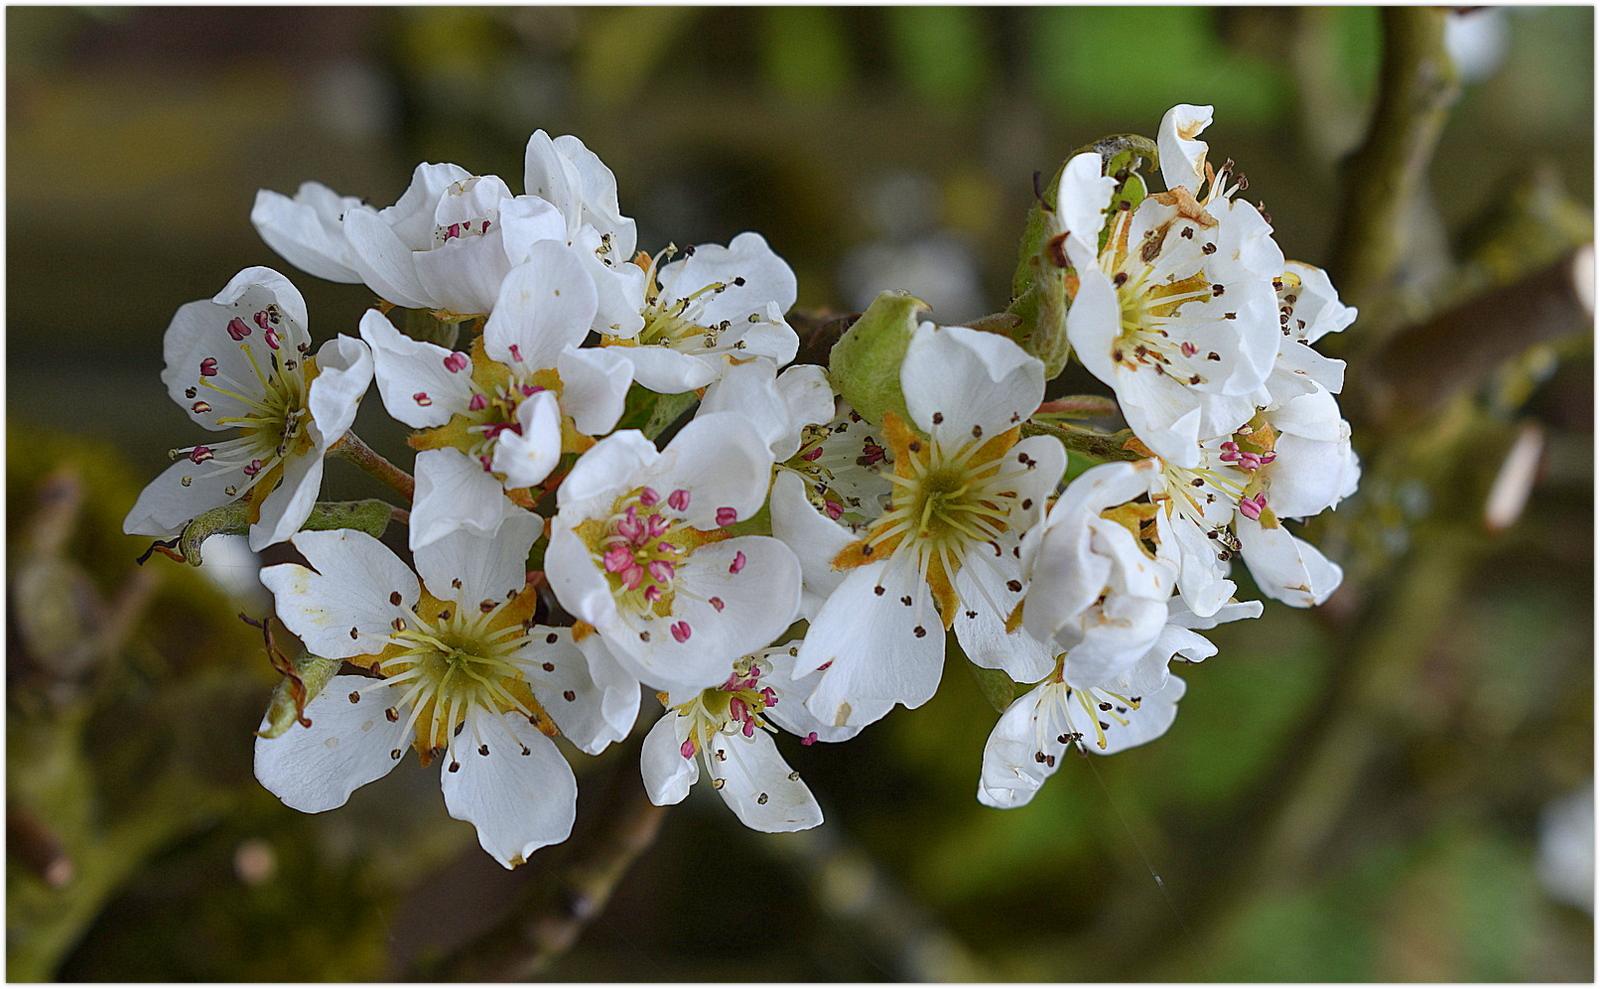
[(455, 492), (1286, 567), (973, 383), (348, 602), (1081, 200), (594, 387), (221, 336), (666, 371), (1094, 323), (757, 604), (592, 699), (760, 786), (981, 628), (753, 276), (667, 774), (383, 260), (871, 640), (1012, 770), (469, 567), (344, 371), (723, 462), (1183, 156), (347, 745), (521, 796), (415, 384), (286, 509), (544, 307), (780, 406), (463, 275), (306, 230), (815, 540), (167, 504), (526, 221), (790, 713), (607, 470)]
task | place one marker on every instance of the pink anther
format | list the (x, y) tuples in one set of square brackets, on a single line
[(681, 631), (727, 516), (1252, 508), (477, 403), (678, 500), (648, 497), (238, 328), (617, 559), (738, 562), (455, 362), (208, 367)]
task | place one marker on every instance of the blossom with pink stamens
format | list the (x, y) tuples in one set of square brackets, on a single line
[(674, 595), (730, 726)]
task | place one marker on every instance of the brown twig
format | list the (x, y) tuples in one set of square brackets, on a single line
[(352, 448)]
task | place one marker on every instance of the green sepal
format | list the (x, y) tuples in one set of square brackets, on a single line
[(1039, 285), (370, 516), (1119, 156), (864, 366), (652, 412), (420, 324), (997, 686), (303, 679)]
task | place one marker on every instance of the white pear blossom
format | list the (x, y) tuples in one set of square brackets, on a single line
[(243, 359), (308, 230), (707, 311), (445, 245), (1100, 570), (525, 394), (1288, 462), (728, 727), (462, 673), (1175, 313), (449, 248), (944, 554), (574, 180), (1104, 718), (640, 550)]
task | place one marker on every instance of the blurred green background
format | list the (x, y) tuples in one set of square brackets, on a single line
[(1364, 792)]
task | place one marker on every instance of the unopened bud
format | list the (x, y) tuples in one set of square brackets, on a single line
[(864, 366)]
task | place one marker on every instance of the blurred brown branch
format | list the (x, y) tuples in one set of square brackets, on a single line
[(1417, 86), (550, 915)]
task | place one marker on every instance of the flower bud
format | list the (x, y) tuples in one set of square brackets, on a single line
[(864, 366)]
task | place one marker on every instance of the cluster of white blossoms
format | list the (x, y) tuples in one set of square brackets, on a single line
[(618, 483)]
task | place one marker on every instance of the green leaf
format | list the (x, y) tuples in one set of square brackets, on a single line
[(997, 686)]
